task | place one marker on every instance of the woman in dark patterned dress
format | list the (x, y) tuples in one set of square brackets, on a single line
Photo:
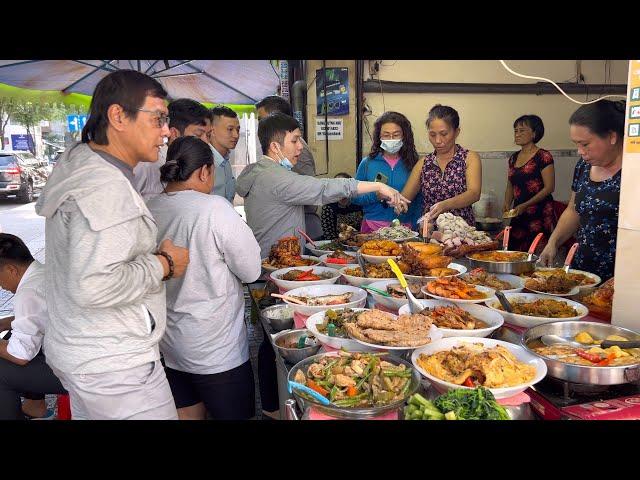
[(531, 183), (598, 132), (342, 211), (451, 177)]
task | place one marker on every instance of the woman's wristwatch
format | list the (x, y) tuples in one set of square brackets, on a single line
[(170, 262)]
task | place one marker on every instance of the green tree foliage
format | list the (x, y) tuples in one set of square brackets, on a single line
[(29, 114)]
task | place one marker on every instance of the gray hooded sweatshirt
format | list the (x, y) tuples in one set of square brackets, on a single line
[(102, 277), (274, 199)]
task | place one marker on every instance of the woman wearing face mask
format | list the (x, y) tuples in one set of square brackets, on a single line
[(531, 181), (205, 346), (393, 155), (450, 178), (597, 130), (342, 211)]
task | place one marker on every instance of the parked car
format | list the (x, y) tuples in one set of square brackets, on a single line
[(21, 174)]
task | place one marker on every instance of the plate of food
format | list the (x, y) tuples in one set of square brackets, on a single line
[(585, 281), (375, 272), (294, 277), (505, 282), (451, 270), (457, 291), (379, 251), (531, 309), (323, 247), (454, 320), (336, 336), (383, 331), (339, 259), (600, 300), (504, 368), (286, 253), (397, 233), (318, 298), (397, 295), (355, 385)]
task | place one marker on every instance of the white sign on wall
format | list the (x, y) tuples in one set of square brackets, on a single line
[(335, 128)]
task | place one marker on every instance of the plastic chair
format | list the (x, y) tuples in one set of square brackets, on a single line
[(64, 407)]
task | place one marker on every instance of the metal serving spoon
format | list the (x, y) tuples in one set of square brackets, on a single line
[(503, 301), (361, 263), (414, 305)]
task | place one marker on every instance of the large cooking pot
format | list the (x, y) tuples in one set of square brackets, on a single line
[(514, 268), (353, 413), (579, 373)]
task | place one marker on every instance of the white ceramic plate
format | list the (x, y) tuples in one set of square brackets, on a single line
[(456, 266), (358, 299), (348, 344), (582, 288), (486, 290), (492, 318), (358, 281), (516, 281), (391, 303), (287, 285), (434, 334), (338, 266), (448, 343), (379, 259), (319, 251), (310, 257), (529, 321)]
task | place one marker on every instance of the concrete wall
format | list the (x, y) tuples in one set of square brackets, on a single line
[(486, 119)]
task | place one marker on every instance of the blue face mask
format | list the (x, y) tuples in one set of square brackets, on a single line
[(286, 163), (391, 146)]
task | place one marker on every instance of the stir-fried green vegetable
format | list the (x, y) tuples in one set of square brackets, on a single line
[(459, 404)]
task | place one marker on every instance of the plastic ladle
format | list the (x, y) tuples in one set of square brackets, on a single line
[(414, 305), (569, 259), (533, 246), (308, 238)]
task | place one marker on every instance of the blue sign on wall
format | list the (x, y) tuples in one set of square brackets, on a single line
[(22, 142), (76, 123)]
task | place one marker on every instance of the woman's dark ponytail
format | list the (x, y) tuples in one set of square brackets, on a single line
[(184, 156)]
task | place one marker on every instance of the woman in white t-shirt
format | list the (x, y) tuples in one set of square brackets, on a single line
[(205, 346)]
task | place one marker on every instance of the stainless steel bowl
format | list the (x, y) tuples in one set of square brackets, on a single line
[(514, 268), (295, 355), (280, 316), (580, 373), (354, 413)]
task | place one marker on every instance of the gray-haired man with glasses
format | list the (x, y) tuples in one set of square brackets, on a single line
[(104, 272)]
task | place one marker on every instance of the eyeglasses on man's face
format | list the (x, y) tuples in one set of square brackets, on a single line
[(160, 118)]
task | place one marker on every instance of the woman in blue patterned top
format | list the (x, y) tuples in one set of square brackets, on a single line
[(597, 130)]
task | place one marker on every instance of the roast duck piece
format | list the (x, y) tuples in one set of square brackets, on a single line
[(287, 252), (419, 258), (464, 250)]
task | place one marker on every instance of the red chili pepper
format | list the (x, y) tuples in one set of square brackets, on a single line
[(306, 274), (342, 261), (592, 357), (611, 357), (469, 383)]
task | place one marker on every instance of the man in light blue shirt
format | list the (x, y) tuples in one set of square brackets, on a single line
[(223, 137)]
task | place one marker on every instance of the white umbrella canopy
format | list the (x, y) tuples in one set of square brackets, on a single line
[(220, 81)]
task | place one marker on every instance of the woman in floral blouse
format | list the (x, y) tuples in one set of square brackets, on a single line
[(597, 130), (451, 177), (530, 185)]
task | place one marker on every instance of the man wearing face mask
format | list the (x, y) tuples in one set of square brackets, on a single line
[(392, 157), (223, 137), (275, 196), (186, 118)]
